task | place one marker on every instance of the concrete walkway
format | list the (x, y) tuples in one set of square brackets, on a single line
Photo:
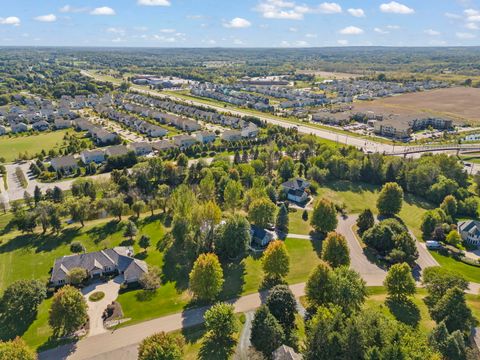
[(96, 309), (243, 345)]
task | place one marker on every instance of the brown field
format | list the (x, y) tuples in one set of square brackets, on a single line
[(461, 104)]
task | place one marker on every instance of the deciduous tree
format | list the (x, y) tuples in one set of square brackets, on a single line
[(162, 346), (275, 260), (68, 312), (399, 282), (390, 199), (206, 277), (324, 216), (335, 250)]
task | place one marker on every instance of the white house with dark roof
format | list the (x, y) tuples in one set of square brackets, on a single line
[(470, 231), (100, 263), (296, 190)]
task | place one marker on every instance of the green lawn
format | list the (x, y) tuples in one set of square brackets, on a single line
[(297, 225), (32, 144), (240, 279), (32, 256), (358, 196), (194, 336), (470, 272)]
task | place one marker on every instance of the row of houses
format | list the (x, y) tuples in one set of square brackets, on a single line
[(98, 133), (192, 112), (133, 123), (401, 127), (180, 122), (232, 96)]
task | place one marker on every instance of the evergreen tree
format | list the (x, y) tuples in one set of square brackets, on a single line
[(282, 219)]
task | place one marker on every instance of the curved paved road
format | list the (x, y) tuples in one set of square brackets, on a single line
[(121, 344)]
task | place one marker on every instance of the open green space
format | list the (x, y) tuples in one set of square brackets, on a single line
[(470, 272), (241, 278), (30, 144), (297, 225), (359, 196)]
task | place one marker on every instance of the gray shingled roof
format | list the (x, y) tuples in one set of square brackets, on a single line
[(113, 258)]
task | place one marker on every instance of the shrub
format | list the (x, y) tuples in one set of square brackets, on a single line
[(96, 296)]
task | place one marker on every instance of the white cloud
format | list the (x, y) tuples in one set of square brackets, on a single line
[(432, 32), (351, 30), (298, 43), (141, 28), (237, 42), (71, 9), (114, 30), (396, 8), (342, 42), (465, 36), (167, 31), (393, 27), (209, 42), (103, 10), (301, 43), (381, 31), (289, 10), (10, 20), (472, 15), (356, 12), (311, 36), (46, 18), (328, 8), (472, 26), (154, 2), (237, 23), (170, 38), (293, 29), (118, 40), (452, 15)]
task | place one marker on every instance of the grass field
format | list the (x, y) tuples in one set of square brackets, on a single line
[(471, 273), (32, 144), (358, 196), (27, 256), (240, 279), (297, 225)]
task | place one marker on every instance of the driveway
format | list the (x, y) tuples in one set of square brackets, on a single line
[(96, 309)]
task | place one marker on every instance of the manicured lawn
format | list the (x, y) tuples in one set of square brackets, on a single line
[(297, 225), (32, 144), (358, 196), (240, 279), (32, 256), (194, 336), (27, 256), (471, 273)]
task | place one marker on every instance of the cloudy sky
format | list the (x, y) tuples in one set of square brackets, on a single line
[(239, 23)]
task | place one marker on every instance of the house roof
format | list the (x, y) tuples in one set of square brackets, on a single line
[(296, 184), (285, 352), (116, 150), (116, 258), (64, 161), (472, 227)]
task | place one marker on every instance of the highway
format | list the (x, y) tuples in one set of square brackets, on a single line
[(361, 143)]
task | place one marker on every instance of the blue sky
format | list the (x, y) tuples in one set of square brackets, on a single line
[(239, 23)]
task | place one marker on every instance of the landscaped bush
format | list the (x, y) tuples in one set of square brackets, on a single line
[(96, 296), (77, 247)]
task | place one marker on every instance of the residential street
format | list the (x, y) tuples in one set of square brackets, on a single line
[(121, 344)]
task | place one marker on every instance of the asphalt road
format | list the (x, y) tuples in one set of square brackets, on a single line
[(121, 344)]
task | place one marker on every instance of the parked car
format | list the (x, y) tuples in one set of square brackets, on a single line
[(433, 245)]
